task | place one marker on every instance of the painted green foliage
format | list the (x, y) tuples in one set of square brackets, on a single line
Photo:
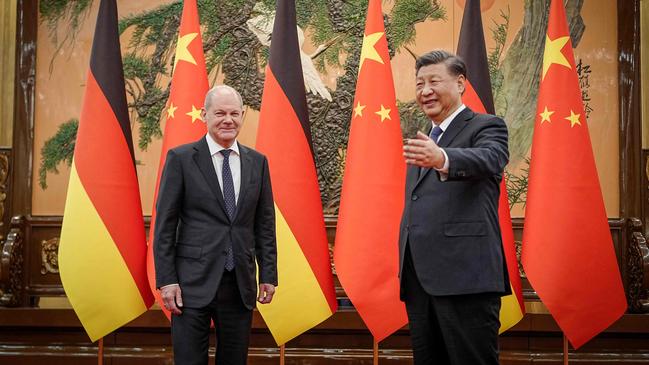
[(58, 148), (336, 25), (336, 28)]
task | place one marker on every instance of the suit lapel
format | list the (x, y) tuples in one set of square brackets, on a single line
[(203, 159), (457, 125), (246, 166)]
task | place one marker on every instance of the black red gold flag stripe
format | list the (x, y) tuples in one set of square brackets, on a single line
[(478, 96), (305, 295), (103, 249)]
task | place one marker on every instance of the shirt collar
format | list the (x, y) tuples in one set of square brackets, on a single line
[(216, 148), (446, 122)]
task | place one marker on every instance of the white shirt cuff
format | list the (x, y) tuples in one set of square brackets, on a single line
[(168, 285), (443, 172)]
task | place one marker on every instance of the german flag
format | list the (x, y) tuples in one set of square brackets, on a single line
[(103, 248), (305, 295), (478, 97)]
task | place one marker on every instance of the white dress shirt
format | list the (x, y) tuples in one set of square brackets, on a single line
[(217, 161), (443, 126)]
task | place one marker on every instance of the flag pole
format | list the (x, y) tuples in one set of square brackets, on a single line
[(375, 355), (565, 349), (100, 353), (282, 354)]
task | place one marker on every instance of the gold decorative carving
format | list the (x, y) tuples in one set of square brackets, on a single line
[(644, 72), (49, 256), (331, 259), (11, 266), (519, 249), (638, 268), (7, 72), (4, 177)]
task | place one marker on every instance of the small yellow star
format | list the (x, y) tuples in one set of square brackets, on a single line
[(171, 110), (552, 53), (384, 113), (573, 118), (195, 114), (545, 116), (368, 51), (358, 110), (182, 52)]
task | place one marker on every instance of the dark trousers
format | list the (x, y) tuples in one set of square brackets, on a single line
[(453, 330), (190, 331)]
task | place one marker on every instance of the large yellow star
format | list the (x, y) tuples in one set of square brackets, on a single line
[(384, 113), (358, 110), (171, 110), (195, 114), (545, 116), (552, 53), (368, 52), (573, 118), (182, 52)]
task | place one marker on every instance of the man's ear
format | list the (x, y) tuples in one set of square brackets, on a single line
[(461, 80)]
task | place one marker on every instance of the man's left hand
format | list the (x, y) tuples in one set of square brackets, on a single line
[(266, 292), (423, 152)]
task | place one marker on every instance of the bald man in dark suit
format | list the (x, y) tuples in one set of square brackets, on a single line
[(215, 216)]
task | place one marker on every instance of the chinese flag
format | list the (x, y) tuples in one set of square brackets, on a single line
[(366, 251), (567, 247), (478, 97), (184, 124), (103, 245)]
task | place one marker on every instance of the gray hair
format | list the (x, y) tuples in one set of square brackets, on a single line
[(218, 89)]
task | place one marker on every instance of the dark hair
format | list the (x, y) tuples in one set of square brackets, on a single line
[(454, 64)]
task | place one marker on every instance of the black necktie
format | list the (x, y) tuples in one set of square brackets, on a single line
[(230, 202)]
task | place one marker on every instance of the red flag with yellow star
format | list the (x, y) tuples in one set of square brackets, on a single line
[(568, 252), (366, 251), (183, 113)]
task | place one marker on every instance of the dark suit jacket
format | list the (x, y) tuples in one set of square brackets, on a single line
[(452, 226), (192, 227)]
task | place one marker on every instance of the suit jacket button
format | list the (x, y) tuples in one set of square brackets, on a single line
[(415, 197)]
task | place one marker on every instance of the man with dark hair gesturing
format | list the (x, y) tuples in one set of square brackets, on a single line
[(452, 269)]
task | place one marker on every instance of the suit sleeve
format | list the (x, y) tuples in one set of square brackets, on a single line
[(487, 156), (265, 238), (168, 206)]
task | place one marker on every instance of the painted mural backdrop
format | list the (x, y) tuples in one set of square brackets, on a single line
[(237, 35)]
